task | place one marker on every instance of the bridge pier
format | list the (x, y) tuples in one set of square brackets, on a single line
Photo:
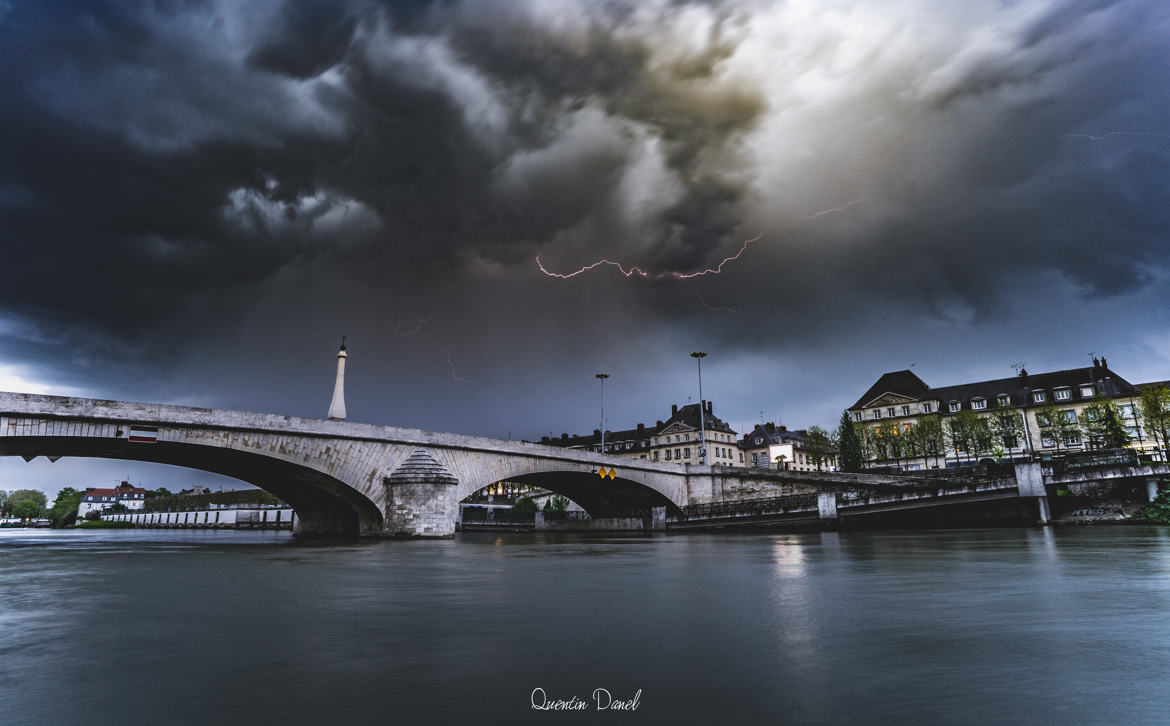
[(827, 505), (420, 499), (1030, 483)]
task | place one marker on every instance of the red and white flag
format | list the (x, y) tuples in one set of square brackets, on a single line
[(144, 434)]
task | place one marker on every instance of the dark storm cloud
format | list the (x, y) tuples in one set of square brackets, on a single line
[(193, 195)]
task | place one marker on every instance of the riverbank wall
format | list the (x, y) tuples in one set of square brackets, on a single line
[(264, 518)]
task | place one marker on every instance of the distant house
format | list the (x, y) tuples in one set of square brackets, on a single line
[(94, 499), (195, 491), (769, 445)]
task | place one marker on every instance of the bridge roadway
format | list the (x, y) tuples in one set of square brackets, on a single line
[(354, 479)]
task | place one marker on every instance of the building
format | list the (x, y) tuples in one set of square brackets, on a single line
[(900, 400), (772, 446), (675, 440), (96, 500)]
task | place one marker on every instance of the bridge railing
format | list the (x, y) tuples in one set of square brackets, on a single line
[(788, 504)]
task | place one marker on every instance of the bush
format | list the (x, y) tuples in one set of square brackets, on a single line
[(525, 504), (1157, 511)]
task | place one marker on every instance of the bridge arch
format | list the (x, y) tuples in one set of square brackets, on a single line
[(323, 503)]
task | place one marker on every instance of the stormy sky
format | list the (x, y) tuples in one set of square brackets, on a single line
[(198, 198)]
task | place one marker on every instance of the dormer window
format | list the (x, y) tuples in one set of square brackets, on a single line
[(1087, 391), (954, 407), (1004, 400), (1038, 397), (1063, 394), (979, 404), (758, 441)]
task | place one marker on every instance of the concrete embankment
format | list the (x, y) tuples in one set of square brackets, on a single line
[(284, 518)]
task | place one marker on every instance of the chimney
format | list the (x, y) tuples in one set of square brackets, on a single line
[(1104, 364), (674, 409), (659, 423), (707, 406), (1024, 375), (597, 433), (1096, 363), (641, 428)]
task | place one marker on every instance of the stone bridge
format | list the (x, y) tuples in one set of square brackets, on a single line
[(346, 478)]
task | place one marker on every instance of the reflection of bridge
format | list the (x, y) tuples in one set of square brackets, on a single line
[(358, 479)]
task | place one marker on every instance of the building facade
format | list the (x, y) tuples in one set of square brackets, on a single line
[(1016, 409), (769, 446), (676, 439), (96, 500)]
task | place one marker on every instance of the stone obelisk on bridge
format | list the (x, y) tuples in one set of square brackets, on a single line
[(337, 406)]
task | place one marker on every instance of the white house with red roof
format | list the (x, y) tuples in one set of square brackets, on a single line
[(95, 499)]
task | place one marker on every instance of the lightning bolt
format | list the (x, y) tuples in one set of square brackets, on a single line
[(417, 327), (1090, 137), (834, 210), (450, 362), (718, 309), (655, 276)]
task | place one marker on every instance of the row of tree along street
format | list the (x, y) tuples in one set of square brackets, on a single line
[(994, 434)]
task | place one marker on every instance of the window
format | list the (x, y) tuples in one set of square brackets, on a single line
[(1069, 416), (655, 457), (687, 452), (1063, 394), (1073, 440), (954, 407), (857, 415), (979, 405), (1004, 400), (877, 413), (1047, 442), (677, 453), (668, 454), (926, 408), (907, 427), (1038, 397), (891, 412), (905, 410), (758, 441), (1087, 391)]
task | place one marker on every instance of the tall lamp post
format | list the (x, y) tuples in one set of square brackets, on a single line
[(602, 377), (699, 356)]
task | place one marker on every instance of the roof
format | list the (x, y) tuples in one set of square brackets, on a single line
[(1018, 388), (1152, 384), (902, 383), (772, 434), (92, 491), (640, 436)]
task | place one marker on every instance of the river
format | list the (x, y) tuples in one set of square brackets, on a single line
[(1028, 625)]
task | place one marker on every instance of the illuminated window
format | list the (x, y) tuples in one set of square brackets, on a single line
[(1087, 391)]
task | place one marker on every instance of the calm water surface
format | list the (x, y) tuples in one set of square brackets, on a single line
[(1067, 626)]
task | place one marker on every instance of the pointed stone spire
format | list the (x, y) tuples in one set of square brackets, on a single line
[(337, 406)]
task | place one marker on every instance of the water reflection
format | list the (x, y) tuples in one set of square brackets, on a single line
[(963, 626)]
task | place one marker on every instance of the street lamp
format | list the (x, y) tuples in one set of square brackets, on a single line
[(699, 356), (602, 377)]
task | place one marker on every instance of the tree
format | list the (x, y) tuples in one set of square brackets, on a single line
[(26, 503), (525, 504), (1154, 407), (3, 502), (819, 443), (1056, 424), (982, 437), (1006, 425), (64, 510), (849, 444), (930, 437), (961, 432), (556, 503), (1102, 426)]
